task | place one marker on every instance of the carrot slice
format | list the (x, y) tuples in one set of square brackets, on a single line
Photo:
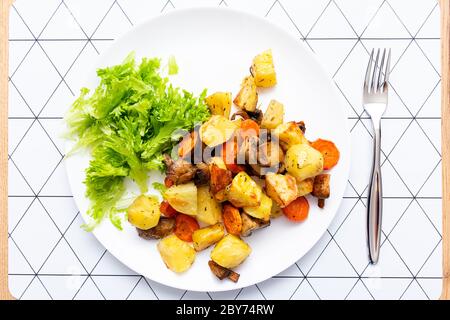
[(229, 154), (167, 182), (329, 151), (232, 219), (187, 144), (297, 210), (185, 226), (167, 210), (249, 128)]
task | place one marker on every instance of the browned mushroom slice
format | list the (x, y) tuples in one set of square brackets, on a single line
[(240, 113), (202, 174), (164, 227), (222, 273), (321, 188), (179, 171), (302, 126), (249, 224), (256, 115)]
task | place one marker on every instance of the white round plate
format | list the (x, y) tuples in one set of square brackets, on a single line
[(214, 48)]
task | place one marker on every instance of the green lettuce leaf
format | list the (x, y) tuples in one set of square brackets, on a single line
[(128, 122)]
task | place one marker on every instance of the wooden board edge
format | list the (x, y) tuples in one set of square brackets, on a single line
[(4, 13), (445, 112)]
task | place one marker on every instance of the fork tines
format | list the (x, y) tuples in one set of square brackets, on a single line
[(377, 82)]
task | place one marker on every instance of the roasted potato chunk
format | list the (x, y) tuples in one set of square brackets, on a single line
[(219, 103), (263, 70), (230, 252), (263, 210), (303, 161), (243, 191), (217, 130), (247, 98), (281, 188), (178, 255), (305, 187), (220, 180), (250, 224), (183, 198), (273, 116), (144, 212), (209, 211), (290, 134), (205, 237)]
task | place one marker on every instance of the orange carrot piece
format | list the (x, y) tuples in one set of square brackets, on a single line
[(167, 210), (297, 210), (329, 151), (185, 226), (187, 144), (229, 154), (249, 128), (232, 219)]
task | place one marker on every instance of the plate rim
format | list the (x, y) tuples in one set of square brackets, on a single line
[(320, 66)]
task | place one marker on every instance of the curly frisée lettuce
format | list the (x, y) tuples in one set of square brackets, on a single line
[(128, 122)]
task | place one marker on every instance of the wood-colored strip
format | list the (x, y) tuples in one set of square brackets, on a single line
[(445, 105), (4, 18), (445, 36)]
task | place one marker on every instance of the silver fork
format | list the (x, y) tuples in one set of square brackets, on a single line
[(375, 99)]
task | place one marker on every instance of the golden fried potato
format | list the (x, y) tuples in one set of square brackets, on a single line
[(230, 252), (144, 212), (273, 116), (247, 98), (217, 130), (281, 188), (290, 134), (263, 210), (305, 187), (243, 191), (205, 237), (219, 103), (183, 198), (303, 161), (263, 70), (178, 255), (209, 211)]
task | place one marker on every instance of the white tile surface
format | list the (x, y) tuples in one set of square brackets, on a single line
[(341, 33)]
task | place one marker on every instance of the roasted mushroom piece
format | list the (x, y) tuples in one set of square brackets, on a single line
[(249, 224), (202, 174), (240, 113), (321, 188), (179, 171), (256, 115), (161, 230), (302, 126), (222, 273)]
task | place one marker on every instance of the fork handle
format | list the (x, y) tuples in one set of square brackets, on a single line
[(375, 199)]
